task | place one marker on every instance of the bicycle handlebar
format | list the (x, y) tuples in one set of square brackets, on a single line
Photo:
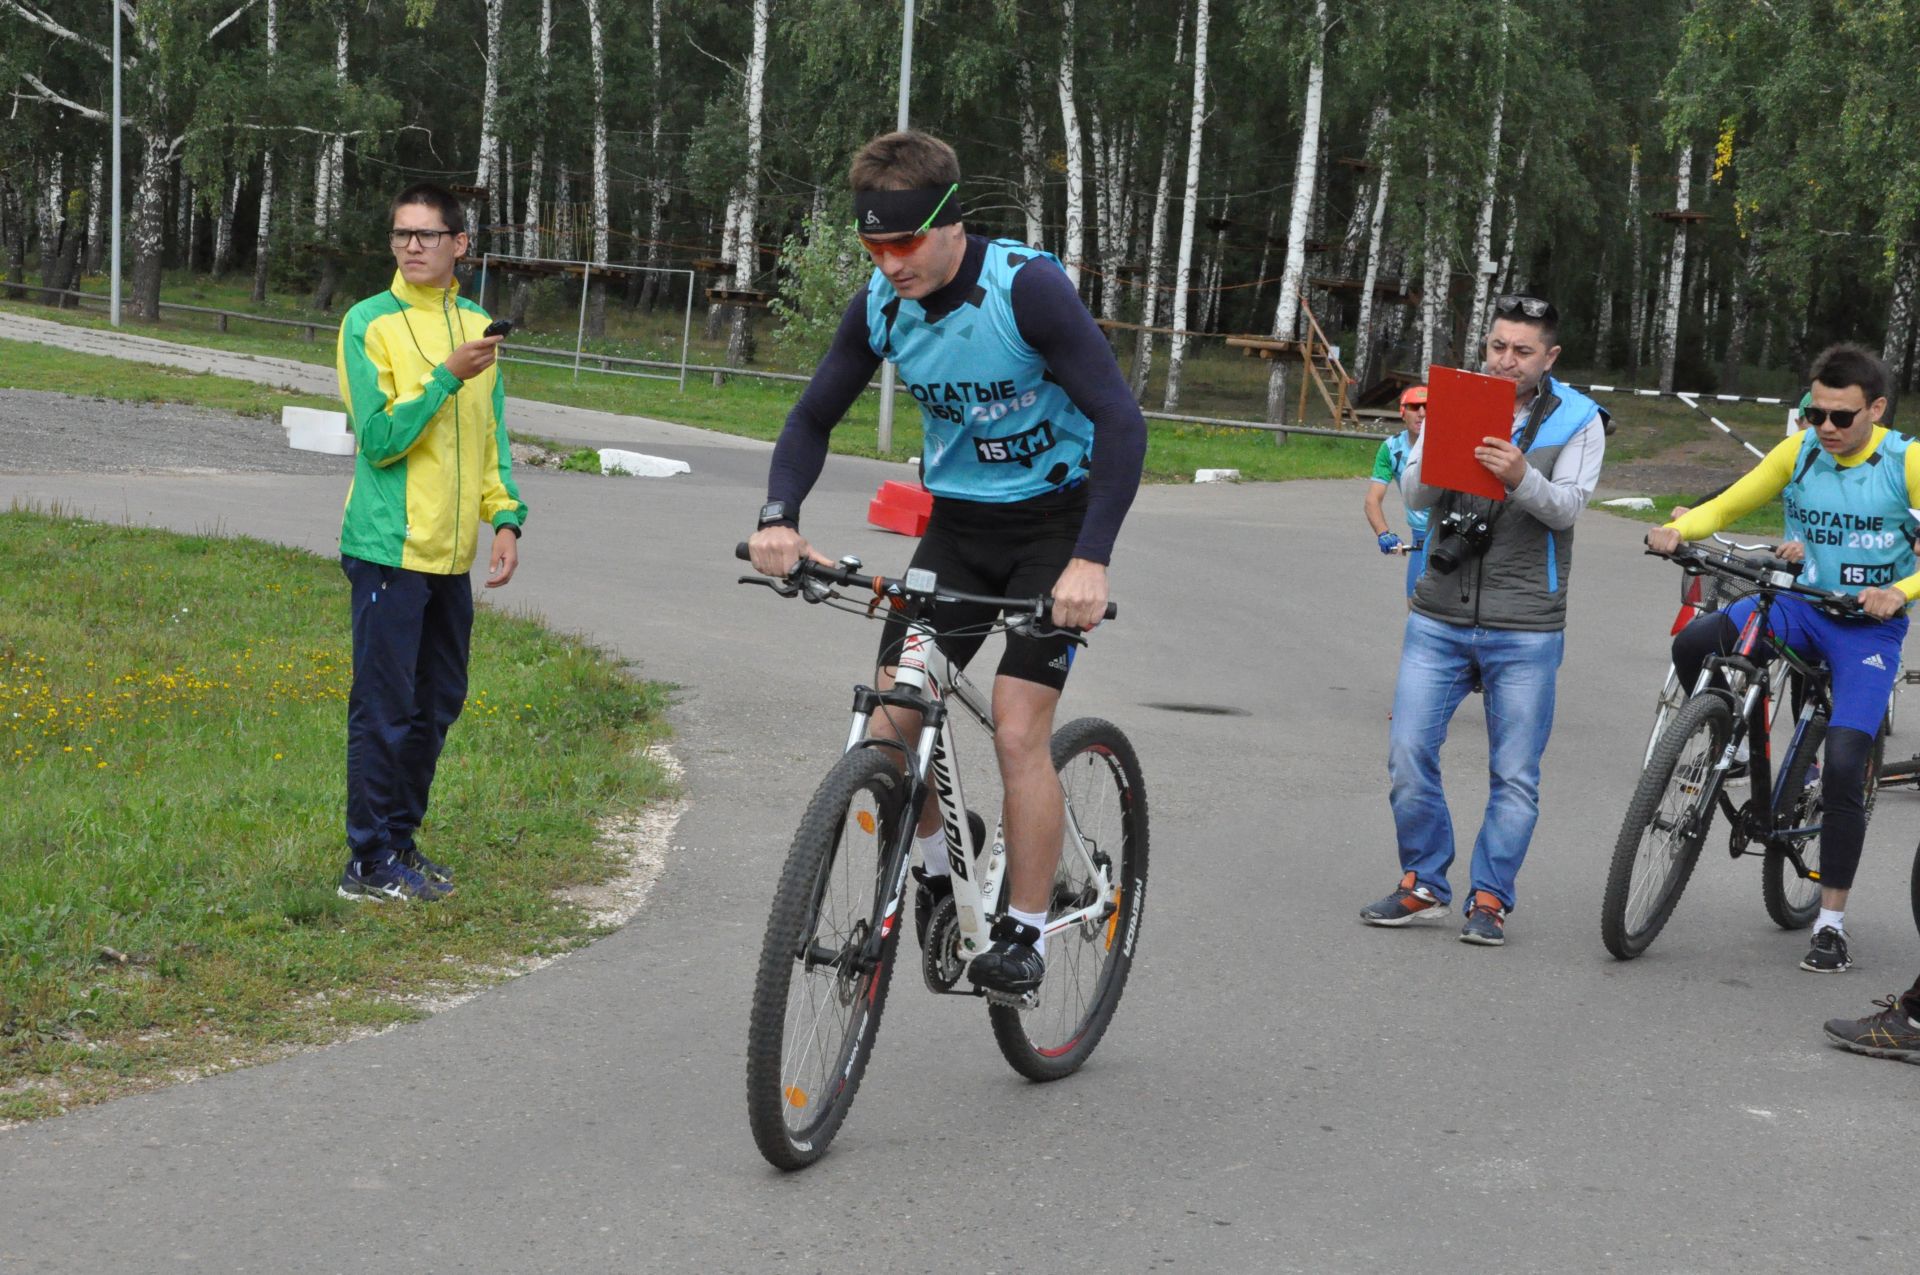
[(898, 588), (1762, 572)]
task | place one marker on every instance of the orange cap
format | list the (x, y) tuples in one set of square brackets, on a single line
[(1414, 394)]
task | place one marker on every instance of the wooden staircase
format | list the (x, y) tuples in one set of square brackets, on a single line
[(1324, 371)]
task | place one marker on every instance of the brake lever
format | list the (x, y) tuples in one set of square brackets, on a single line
[(780, 587)]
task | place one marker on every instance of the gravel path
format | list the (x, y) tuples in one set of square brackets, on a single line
[(47, 433)]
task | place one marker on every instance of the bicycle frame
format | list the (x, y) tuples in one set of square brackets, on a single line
[(927, 683), (1749, 691)]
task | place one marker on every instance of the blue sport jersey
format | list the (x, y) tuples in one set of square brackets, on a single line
[(1853, 520), (998, 426)]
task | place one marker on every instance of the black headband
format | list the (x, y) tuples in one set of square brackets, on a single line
[(895, 212)]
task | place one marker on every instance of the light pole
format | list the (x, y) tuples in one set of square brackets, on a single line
[(906, 88), (113, 7)]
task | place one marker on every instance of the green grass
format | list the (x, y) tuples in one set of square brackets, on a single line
[(25, 365), (172, 714), (1764, 521), (743, 406)]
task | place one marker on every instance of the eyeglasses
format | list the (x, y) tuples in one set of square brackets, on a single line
[(1842, 417), (897, 248), (1532, 307), (429, 239)]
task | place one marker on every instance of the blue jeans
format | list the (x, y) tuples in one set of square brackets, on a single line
[(1437, 664)]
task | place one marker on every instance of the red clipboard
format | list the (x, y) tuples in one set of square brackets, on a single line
[(1462, 409)]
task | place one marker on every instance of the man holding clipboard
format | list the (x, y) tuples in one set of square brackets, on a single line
[(1506, 463)]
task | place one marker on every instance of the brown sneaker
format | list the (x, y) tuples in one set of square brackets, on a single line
[(1407, 903), (1891, 1033)]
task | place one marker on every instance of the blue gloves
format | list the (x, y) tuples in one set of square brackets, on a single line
[(1389, 543)]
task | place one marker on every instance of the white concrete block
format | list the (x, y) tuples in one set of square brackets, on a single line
[(640, 465), (1216, 475), (312, 430), (1629, 502)]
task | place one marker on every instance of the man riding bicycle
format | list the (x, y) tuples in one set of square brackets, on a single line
[(1015, 381), (1848, 484)]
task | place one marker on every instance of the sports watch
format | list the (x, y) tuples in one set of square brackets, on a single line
[(776, 513)]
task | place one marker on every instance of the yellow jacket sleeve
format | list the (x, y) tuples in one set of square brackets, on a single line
[(1762, 483)]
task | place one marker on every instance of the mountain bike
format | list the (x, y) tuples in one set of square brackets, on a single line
[(834, 928), (1684, 780)]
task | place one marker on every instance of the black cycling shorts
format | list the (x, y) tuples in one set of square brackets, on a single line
[(1015, 550)]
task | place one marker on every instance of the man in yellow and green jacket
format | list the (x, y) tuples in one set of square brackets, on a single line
[(431, 464)]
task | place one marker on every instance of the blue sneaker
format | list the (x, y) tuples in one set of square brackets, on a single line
[(388, 881), (1486, 921), (426, 867)]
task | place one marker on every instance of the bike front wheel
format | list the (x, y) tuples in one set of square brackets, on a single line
[(1088, 961), (1666, 822), (820, 990)]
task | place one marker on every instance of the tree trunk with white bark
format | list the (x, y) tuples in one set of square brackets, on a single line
[(1286, 313), (651, 290), (223, 228), (1073, 251), (1376, 231), (1636, 268), (1033, 187), (1900, 324), (747, 255), (531, 240), (1676, 270), (1436, 271), (1150, 308), (96, 216), (1183, 270), (597, 62), (149, 225), (487, 171), (1483, 265)]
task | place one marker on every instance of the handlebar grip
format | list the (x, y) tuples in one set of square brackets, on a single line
[(1113, 611), (740, 552)]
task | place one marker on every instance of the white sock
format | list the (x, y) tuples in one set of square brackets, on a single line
[(1038, 920), (1831, 920), (933, 852)]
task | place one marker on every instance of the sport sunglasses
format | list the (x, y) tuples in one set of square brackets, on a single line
[(1842, 417), (1532, 307)]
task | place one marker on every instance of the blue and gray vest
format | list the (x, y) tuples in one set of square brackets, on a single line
[(1853, 519), (1399, 447), (998, 428), (1520, 582)]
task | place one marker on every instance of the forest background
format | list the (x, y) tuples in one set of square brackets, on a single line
[(1710, 190)]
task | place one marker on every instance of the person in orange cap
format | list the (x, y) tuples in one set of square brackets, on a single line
[(1388, 464)]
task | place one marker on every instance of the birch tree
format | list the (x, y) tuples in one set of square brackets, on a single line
[(1183, 270), (1073, 250), (747, 251), (1032, 180), (1484, 266), (1286, 314), (1157, 246), (1676, 269), (657, 178), (1363, 329), (487, 173), (597, 292)]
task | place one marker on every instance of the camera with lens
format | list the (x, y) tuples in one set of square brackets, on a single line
[(1460, 535)]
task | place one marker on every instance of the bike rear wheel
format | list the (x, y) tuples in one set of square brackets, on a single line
[(1087, 963), (1666, 822), (1793, 900), (817, 1001)]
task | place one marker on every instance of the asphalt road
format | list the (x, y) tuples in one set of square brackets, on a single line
[(1282, 1089)]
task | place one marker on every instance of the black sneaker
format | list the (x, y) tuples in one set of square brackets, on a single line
[(1828, 955), (1486, 921), (426, 867), (927, 896), (388, 881), (1891, 1033), (1011, 966)]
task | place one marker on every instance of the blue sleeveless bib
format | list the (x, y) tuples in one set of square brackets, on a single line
[(997, 427), (1852, 520)]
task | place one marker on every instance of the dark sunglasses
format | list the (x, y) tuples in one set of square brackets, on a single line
[(1841, 417), (1532, 307)]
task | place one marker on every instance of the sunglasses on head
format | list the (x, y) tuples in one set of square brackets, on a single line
[(1842, 417), (1532, 307), (896, 248)]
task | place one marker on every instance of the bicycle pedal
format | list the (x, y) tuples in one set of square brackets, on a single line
[(1013, 1000)]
